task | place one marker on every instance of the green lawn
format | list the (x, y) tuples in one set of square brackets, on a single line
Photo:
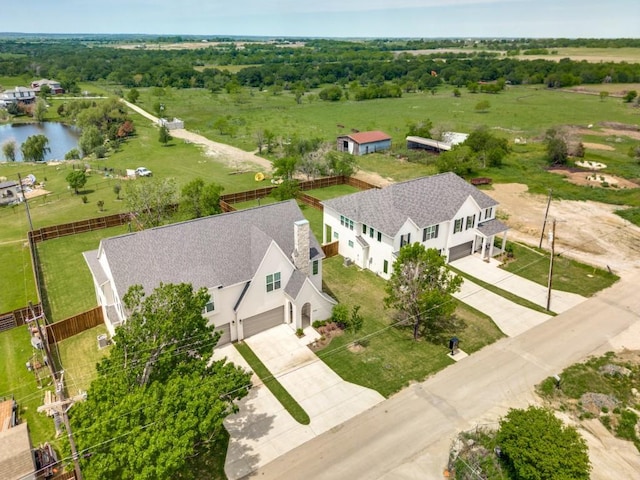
[(78, 357), (332, 192), (568, 275), (391, 358), (68, 286), (272, 383), (17, 381), (17, 283)]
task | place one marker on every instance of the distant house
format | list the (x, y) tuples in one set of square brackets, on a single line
[(55, 87), (442, 212), (364, 142), (22, 95), (261, 266), (9, 192), (16, 456), (174, 124), (449, 140)]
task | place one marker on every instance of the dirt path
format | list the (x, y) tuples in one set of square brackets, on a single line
[(232, 157), (588, 231)]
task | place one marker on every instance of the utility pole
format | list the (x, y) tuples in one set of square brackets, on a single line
[(553, 242), (26, 203), (63, 403), (546, 213)]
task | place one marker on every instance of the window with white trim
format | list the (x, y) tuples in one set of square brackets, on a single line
[(345, 222), (350, 243), (405, 240), (457, 225), (314, 267), (209, 307), (430, 232), (471, 222), (488, 212), (273, 281), (379, 236)]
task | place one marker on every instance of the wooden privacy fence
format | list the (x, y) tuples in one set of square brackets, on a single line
[(330, 249), (55, 231), (73, 325), (311, 201), (9, 320)]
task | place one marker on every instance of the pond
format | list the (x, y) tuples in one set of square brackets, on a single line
[(62, 138)]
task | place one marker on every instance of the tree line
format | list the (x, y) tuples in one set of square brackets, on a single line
[(317, 63)]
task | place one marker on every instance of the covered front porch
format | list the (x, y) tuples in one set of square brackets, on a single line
[(486, 233)]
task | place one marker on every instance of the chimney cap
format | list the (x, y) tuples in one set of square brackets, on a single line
[(302, 222)]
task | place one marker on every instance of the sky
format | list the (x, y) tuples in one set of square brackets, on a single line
[(337, 18)]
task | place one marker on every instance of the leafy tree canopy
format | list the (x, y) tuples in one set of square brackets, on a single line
[(158, 400), (34, 148), (76, 179), (420, 290), (536, 446), (151, 200), (198, 199)]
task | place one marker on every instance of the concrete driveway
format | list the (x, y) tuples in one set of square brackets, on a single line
[(511, 318), (263, 430)]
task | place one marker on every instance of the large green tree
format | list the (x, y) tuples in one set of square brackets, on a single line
[(488, 149), (164, 137), (40, 109), (536, 445), (34, 148), (90, 139), (198, 199), (151, 200), (76, 179), (159, 400), (556, 146), (9, 150), (420, 290)]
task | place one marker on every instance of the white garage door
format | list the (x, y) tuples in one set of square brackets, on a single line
[(460, 251), (226, 334), (263, 321)]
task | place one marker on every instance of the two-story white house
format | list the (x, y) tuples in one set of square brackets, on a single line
[(261, 266), (442, 212)]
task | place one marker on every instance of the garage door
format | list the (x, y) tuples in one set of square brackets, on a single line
[(226, 334), (263, 321), (460, 251)]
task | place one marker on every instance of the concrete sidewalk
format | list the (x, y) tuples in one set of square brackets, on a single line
[(491, 273), (263, 430)]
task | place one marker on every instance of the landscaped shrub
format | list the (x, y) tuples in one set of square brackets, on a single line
[(340, 315)]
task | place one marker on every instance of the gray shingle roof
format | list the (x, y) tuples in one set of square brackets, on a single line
[(295, 283), (426, 201), (222, 249), (492, 227)]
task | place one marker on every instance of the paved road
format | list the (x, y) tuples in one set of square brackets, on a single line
[(407, 436)]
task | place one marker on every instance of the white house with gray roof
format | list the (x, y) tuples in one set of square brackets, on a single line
[(442, 212), (261, 266)]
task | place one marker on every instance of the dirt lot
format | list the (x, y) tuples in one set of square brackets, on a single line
[(587, 231)]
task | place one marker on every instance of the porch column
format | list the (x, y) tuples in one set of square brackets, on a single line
[(491, 247)]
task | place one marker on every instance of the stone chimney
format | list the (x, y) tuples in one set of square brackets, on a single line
[(301, 246)]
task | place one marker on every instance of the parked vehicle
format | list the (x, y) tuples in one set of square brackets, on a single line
[(143, 172)]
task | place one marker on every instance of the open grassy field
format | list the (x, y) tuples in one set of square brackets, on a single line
[(524, 111), (391, 358)]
